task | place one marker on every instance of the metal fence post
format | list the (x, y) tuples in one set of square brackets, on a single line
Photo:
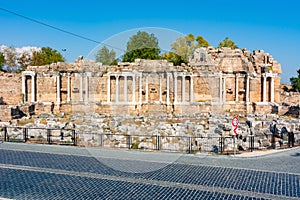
[(251, 142), (25, 134), (129, 141), (49, 136), (5, 133), (190, 144), (74, 137), (101, 140), (221, 142)]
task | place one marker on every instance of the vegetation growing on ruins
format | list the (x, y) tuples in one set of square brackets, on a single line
[(174, 58), (228, 43)]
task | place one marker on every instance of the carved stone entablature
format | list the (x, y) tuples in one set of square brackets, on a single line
[(28, 73), (201, 58)]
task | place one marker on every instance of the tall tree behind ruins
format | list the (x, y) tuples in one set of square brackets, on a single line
[(186, 45), (46, 56), (106, 56), (295, 82), (2, 61), (142, 45), (10, 56)]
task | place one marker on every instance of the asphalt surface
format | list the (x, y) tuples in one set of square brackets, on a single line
[(32, 171)]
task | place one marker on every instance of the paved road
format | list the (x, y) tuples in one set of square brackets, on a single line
[(57, 172)]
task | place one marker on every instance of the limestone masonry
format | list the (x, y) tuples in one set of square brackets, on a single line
[(214, 80), (106, 105)]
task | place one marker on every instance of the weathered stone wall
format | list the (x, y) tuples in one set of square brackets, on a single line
[(46, 87), (5, 113), (10, 88), (255, 90), (292, 98), (214, 80)]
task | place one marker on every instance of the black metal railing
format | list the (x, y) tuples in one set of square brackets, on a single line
[(185, 143), (39, 135)]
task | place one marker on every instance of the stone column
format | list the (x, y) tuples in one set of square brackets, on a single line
[(224, 89), (24, 88), (236, 87), (168, 89), (247, 87), (69, 88), (264, 87), (272, 89), (33, 88), (125, 89), (108, 88), (141, 89), (58, 89), (220, 87), (175, 88), (133, 89), (147, 88), (191, 89), (160, 88), (183, 88), (117, 89), (86, 99), (81, 87)]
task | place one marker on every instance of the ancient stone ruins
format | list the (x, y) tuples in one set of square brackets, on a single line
[(215, 82)]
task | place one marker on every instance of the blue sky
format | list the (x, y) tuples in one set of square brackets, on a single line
[(273, 26)]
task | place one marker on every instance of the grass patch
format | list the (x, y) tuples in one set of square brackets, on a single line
[(23, 122)]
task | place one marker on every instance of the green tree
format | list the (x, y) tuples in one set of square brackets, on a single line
[(10, 59), (2, 61), (295, 82), (174, 58), (106, 56), (46, 56), (24, 60), (142, 45), (227, 43), (186, 45), (202, 42)]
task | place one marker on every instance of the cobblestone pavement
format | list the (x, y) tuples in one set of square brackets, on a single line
[(30, 171)]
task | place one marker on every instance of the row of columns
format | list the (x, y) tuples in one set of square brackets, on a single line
[(140, 88), (117, 87), (191, 88), (237, 76), (222, 87)]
